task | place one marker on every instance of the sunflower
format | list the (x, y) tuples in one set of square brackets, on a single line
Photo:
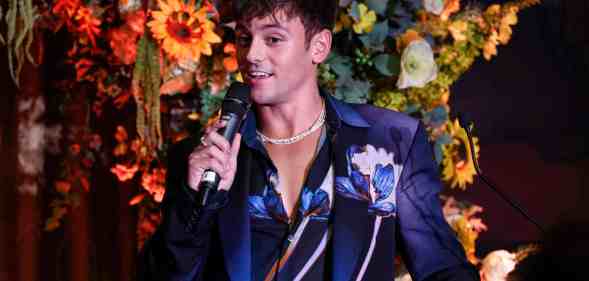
[(458, 164), (185, 33)]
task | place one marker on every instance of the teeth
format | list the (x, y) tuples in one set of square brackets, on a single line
[(259, 74)]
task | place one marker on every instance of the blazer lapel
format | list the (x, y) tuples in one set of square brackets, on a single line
[(352, 226), (234, 226)]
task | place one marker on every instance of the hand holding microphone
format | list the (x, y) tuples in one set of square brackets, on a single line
[(212, 165)]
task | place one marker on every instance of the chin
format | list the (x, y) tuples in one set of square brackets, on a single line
[(260, 96)]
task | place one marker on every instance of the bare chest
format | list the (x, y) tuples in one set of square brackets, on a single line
[(293, 163)]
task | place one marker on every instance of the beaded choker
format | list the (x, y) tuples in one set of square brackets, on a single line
[(316, 125)]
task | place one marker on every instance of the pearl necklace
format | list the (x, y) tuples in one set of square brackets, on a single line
[(318, 124)]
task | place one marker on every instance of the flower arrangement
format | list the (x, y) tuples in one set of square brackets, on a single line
[(403, 55)]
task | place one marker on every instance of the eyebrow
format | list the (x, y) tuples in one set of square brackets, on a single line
[(240, 27)]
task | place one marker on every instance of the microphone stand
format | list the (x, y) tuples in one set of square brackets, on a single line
[(467, 127)]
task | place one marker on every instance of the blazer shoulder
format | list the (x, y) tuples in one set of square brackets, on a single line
[(378, 116)]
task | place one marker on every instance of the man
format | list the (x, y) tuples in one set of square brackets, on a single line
[(312, 188)]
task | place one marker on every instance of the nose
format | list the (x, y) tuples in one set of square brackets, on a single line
[(255, 53)]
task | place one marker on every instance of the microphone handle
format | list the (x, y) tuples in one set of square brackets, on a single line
[(210, 179)]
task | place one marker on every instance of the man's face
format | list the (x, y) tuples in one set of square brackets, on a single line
[(273, 58)]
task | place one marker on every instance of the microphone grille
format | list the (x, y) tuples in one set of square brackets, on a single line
[(237, 100), (239, 91)]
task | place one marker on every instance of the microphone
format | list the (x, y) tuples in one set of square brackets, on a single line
[(234, 107), (466, 123)]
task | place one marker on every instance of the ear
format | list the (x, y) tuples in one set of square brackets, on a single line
[(320, 46)]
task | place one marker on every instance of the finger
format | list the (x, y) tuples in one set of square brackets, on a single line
[(228, 177), (214, 165), (232, 161), (219, 141), (194, 176), (216, 153)]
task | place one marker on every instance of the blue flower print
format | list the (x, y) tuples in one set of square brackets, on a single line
[(273, 203), (314, 204), (371, 179), (269, 205), (257, 208)]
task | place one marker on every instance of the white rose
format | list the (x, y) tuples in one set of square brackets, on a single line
[(434, 6), (417, 65)]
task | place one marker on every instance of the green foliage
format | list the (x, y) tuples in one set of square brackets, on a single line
[(375, 39), (210, 103), (387, 64)]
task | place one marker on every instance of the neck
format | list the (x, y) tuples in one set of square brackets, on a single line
[(290, 118)]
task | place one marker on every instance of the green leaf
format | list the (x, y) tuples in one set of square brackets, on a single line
[(438, 153), (442, 140), (352, 91), (210, 103), (375, 39), (341, 65), (411, 108), (437, 117), (388, 65), (354, 12), (379, 6)]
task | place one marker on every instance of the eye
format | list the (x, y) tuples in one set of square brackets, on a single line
[(273, 40)]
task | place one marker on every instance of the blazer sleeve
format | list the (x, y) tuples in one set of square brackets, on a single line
[(179, 248), (426, 242)]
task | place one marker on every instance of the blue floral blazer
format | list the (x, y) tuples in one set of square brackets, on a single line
[(385, 203)]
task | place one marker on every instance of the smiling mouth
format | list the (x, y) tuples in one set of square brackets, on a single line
[(255, 75)]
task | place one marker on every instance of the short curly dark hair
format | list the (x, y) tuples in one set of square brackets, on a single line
[(316, 15)]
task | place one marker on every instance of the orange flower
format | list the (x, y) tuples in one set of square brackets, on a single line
[(75, 149), (65, 8), (136, 21), (230, 62), (120, 149), (490, 47), (154, 183), (88, 24), (62, 186), (136, 145), (184, 32), (121, 134), (450, 7), (82, 67), (123, 172), (123, 44), (180, 84), (219, 81), (509, 19), (409, 36)]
